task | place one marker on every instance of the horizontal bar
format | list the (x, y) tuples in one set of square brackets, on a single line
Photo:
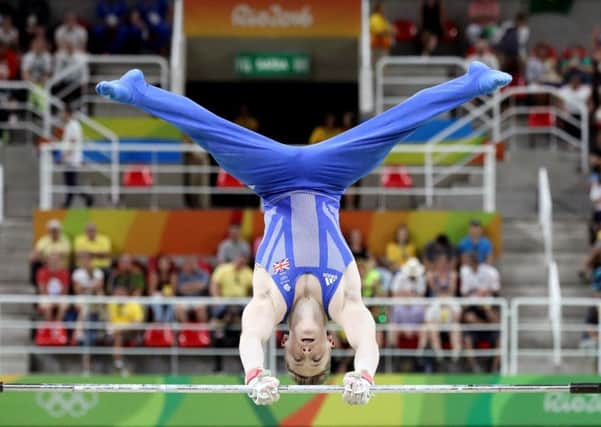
[(304, 389)]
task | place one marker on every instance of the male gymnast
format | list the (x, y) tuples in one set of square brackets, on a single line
[(304, 270)]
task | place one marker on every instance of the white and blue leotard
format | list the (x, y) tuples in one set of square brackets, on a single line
[(301, 186)]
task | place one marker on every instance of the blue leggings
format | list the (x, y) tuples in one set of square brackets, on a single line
[(271, 168)]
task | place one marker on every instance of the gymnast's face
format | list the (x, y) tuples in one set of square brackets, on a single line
[(308, 345)]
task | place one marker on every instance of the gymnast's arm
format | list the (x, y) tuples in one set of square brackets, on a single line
[(258, 323), (360, 330)]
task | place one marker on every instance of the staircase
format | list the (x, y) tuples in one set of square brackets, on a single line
[(522, 266)]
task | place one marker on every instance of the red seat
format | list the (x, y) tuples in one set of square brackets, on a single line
[(484, 345), (538, 120), (405, 30), (451, 31), (158, 337), (51, 335), (407, 343), (396, 177), (193, 336), (137, 176), (226, 180)]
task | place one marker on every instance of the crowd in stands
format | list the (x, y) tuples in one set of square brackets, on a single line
[(87, 265), (34, 46)]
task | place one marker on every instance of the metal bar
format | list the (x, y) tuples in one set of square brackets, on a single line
[(305, 389)]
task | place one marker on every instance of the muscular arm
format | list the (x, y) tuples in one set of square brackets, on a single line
[(360, 330), (258, 322)]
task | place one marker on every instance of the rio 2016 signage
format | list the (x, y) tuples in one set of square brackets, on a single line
[(273, 18)]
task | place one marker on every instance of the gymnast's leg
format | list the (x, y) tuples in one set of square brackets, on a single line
[(256, 160), (338, 162)]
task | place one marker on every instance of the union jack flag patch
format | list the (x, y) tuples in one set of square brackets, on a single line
[(280, 266)]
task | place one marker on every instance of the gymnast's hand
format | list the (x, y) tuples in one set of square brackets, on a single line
[(264, 387), (357, 388), (124, 90), (489, 80)]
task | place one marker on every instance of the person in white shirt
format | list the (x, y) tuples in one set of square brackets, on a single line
[(8, 33), (479, 280), (483, 53), (71, 32), (36, 66), (72, 157), (574, 94), (73, 83)]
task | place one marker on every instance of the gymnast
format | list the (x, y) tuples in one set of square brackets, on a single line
[(304, 271)]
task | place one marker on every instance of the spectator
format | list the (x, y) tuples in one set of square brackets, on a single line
[(127, 275), (233, 247), (72, 33), (9, 64), (541, 66), (575, 95), (97, 246), (476, 242), (191, 282), (357, 246), (52, 280), (9, 35), (483, 54), (381, 32), (72, 157), (481, 281), (399, 250), (441, 245), (123, 318), (52, 243), (154, 13), (110, 35), (37, 63), (441, 280), (483, 16), (325, 131), (409, 282), (372, 286), (75, 82), (231, 280), (513, 44), (595, 196), (33, 18), (135, 34), (87, 279), (246, 120), (590, 337), (161, 283), (431, 25), (575, 59)]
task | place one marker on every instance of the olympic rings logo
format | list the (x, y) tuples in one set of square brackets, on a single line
[(59, 405)]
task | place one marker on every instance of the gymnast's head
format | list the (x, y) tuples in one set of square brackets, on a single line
[(308, 345)]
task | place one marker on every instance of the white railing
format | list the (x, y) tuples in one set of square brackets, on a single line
[(178, 49), (545, 218), (528, 324), (427, 181), (174, 352)]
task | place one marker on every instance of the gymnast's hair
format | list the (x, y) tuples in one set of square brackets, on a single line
[(312, 380)]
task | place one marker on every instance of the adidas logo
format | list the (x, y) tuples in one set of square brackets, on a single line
[(329, 278)]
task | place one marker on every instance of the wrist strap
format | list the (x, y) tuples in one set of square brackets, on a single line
[(367, 377), (252, 374)]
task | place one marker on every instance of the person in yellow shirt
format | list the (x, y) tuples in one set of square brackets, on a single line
[(399, 250), (97, 245), (381, 31), (231, 280), (52, 243), (325, 131), (246, 120), (122, 318)]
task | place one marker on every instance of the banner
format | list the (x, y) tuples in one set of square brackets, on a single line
[(272, 18), (49, 409), (179, 232), (273, 64)]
